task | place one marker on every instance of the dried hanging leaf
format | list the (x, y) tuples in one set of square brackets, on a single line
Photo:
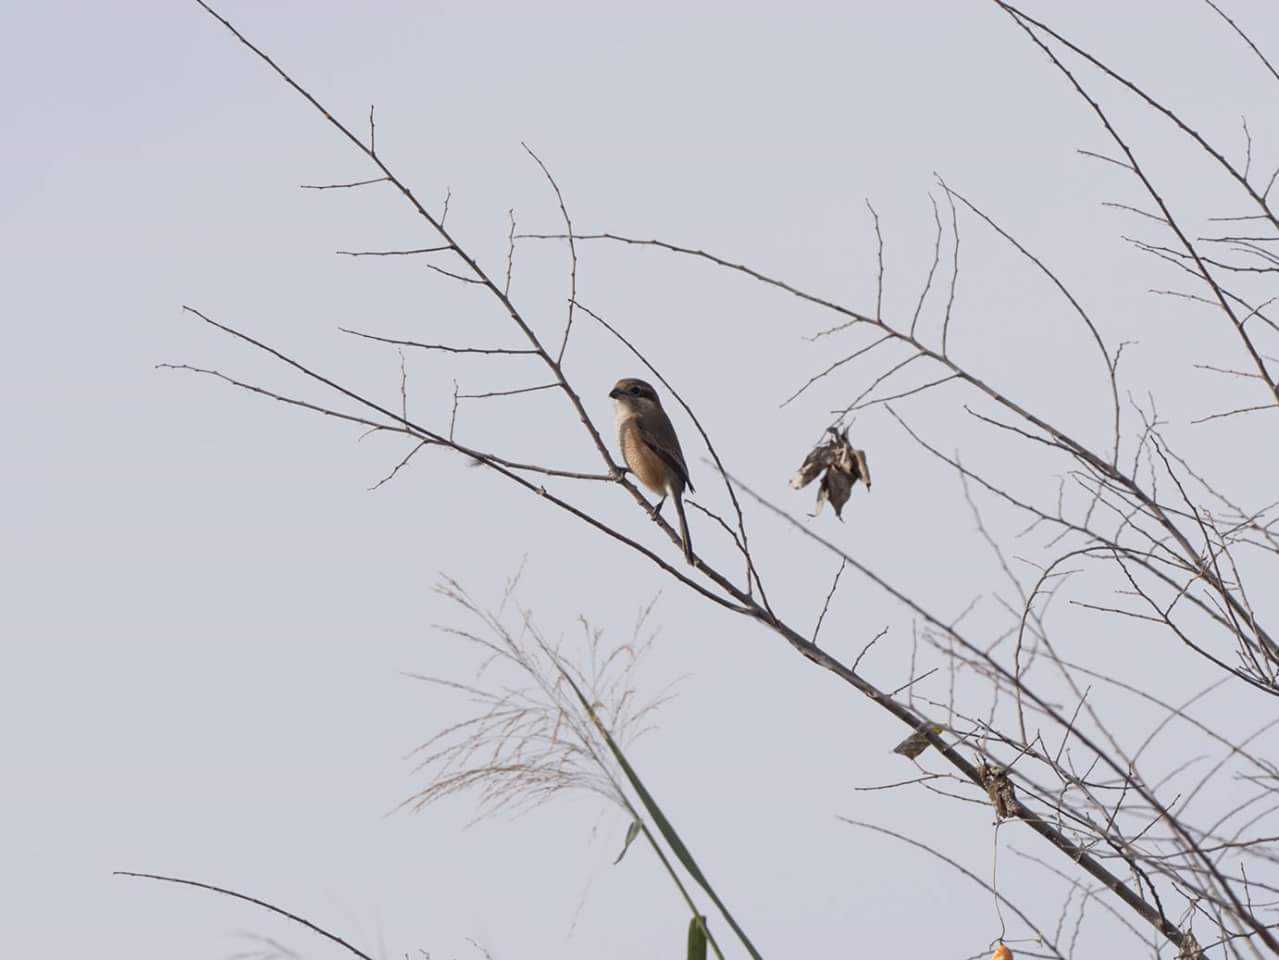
[(839, 465), (1190, 949), (917, 742), (813, 465), (836, 487), (999, 787)]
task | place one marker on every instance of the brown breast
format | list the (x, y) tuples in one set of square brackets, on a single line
[(644, 463)]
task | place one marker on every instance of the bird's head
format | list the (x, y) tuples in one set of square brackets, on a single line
[(634, 395)]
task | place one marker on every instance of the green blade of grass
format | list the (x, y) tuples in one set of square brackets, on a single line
[(697, 938), (664, 826)]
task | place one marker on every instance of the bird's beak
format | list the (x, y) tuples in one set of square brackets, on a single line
[(614, 393)]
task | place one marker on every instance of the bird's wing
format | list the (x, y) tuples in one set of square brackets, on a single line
[(665, 444)]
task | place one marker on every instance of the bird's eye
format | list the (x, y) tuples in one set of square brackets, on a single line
[(634, 391)]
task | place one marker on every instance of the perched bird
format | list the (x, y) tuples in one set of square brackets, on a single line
[(650, 447)]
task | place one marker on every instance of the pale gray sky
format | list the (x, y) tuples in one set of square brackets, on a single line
[(207, 615)]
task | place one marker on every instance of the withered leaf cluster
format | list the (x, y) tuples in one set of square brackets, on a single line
[(999, 787), (839, 465)]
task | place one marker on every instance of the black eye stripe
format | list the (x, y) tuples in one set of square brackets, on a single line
[(638, 390)]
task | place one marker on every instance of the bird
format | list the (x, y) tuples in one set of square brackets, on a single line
[(651, 448)]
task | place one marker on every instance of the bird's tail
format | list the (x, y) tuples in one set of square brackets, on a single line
[(683, 527)]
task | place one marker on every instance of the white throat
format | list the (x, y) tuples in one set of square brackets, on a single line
[(622, 413)]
